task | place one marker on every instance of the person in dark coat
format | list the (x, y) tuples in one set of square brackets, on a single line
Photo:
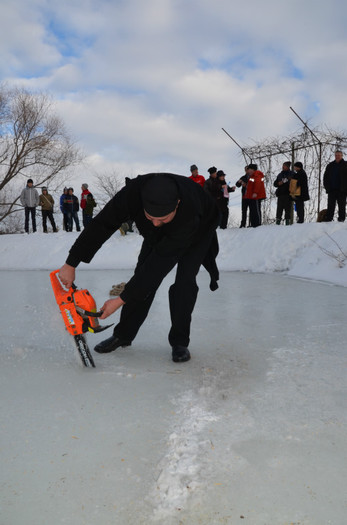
[(223, 203), (335, 184), (242, 183), (178, 222), (302, 194), (284, 201)]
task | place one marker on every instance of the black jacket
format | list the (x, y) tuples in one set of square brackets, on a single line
[(301, 178), (285, 175), (197, 215), (335, 176)]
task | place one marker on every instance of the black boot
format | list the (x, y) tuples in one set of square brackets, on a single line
[(180, 354), (110, 344)]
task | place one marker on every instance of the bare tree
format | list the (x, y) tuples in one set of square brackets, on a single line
[(108, 185), (33, 143)]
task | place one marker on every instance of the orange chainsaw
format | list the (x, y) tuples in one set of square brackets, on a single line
[(80, 315)]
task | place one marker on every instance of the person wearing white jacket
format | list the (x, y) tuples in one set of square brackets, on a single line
[(30, 199)]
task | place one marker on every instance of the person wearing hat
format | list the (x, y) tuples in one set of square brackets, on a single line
[(46, 202), (178, 222), (30, 199), (195, 175)]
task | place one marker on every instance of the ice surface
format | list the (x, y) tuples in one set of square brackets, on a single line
[(254, 425)]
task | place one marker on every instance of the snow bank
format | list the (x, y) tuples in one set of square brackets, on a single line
[(311, 251)]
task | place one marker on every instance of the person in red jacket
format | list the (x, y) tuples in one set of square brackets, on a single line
[(255, 192), (87, 209), (195, 176)]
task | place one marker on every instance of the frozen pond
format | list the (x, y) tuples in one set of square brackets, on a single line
[(252, 430)]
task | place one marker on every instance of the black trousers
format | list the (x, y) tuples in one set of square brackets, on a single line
[(255, 212), (48, 214), (336, 196), (244, 208), (182, 296), (300, 210), (30, 211), (284, 203)]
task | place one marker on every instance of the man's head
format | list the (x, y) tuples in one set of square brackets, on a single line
[(286, 166), (252, 168), (298, 166), (160, 199), (194, 170), (338, 155), (70, 191), (44, 189), (221, 175), (30, 182), (213, 172), (84, 186)]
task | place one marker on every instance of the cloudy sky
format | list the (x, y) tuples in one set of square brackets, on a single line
[(147, 85)]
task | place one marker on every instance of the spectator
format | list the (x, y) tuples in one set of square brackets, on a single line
[(61, 204), (68, 209), (242, 183), (335, 184), (30, 199), (75, 210), (213, 185), (298, 189), (284, 201), (223, 203), (195, 175), (46, 202), (255, 192), (87, 205)]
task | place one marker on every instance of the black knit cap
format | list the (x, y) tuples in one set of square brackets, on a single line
[(160, 195), (211, 170)]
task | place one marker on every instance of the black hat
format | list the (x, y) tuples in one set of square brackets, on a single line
[(71, 189), (193, 167), (298, 165), (211, 170), (220, 173), (160, 195), (30, 180), (252, 167)]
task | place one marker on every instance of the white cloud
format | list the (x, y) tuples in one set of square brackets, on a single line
[(152, 83)]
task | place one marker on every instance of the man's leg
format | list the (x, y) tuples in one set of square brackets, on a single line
[(184, 291), (332, 197), (26, 224), (33, 218), (341, 202), (132, 316), (44, 220)]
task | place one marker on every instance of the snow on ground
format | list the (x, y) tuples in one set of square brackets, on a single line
[(252, 430)]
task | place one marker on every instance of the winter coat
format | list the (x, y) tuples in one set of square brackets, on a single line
[(46, 201), (301, 178), (197, 215), (256, 186), (76, 205), (89, 205), (84, 195), (335, 176), (30, 197), (67, 203), (199, 179), (284, 177), (239, 184), (214, 187)]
